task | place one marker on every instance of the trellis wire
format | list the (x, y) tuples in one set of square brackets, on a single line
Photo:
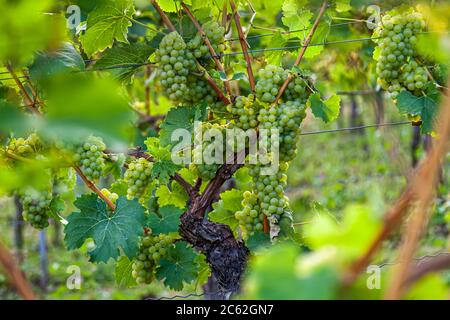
[(355, 128)]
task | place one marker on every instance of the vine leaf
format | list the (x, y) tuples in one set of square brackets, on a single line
[(106, 23), (170, 5), (47, 64), (181, 118), (122, 55), (178, 266), (343, 5), (295, 16), (258, 240), (168, 220), (425, 107), (176, 197), (226, 207), (163, 167), (109, 232), (326, 110), (123, 273)]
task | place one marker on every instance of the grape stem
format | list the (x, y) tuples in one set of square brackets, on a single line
[(28, 101), (219, 65), (244, 45), (303, 50), (94, 188), (163, 16)]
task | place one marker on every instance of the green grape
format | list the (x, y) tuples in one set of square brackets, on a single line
[(36, 207), (298, 89), (206, 161), (151, 250), (25, 147), (396, 68), (90, 157), (251, 218), (138, 177), (176, 72), (215, 33), (286, 117), (110, 195), (245, 112), (270, 189), (269, 82)]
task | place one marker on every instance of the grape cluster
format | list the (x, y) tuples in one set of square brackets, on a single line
[(151, 250), (138, 177), (25, 147), (286, 117), (245, 112), (110, 195), (396, 68), (207, 162), (176, 68), (270, 188), (90, 157), (215, 33), (269, 82), (250, 218), (36, 207)]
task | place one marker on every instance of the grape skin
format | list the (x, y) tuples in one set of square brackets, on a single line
[(138, 177), (36, 207), (151, 250), (90, 157), (396, 67)]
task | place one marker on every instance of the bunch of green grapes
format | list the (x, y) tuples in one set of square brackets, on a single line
[(270, 188), (298, 89), (151, 250), (112, 196), (36, 207), (25, 147), (251, 218), (176, 72), (414, 77), (245, 112), (269, 82), (209, 154), (215, 33), (90, 157), (396, 37), (138, 177), (286, 117)]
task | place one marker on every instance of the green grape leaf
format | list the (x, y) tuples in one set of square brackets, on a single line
[(120, 187), (181, 118), (163, 170), (108, 22), (258, 240), (226, 207), (295, 16), (47, 64), (178, 266), (124, 59), (123, 273), (174, 197), (326, 110), (171, 5), (167, 221), (425, 106), (121, 230), (274, 56), (343, 5), (319, 37), (57, 206)]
